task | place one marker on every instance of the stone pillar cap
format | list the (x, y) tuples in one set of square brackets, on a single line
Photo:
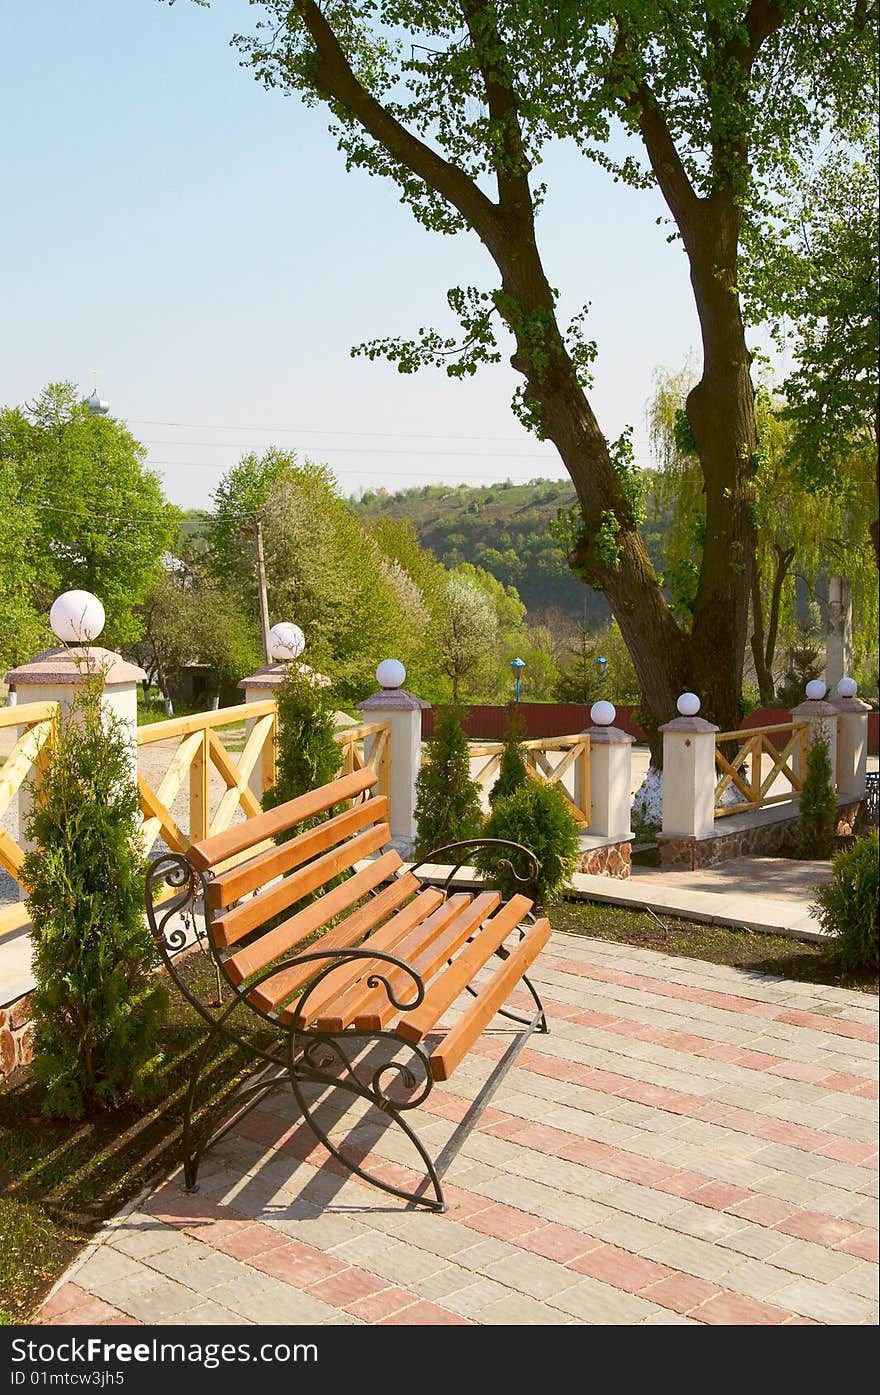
[(814, 707), (273, 675), (695, 724), (853, 705), (66, 665), (608, 736), (392, 700)]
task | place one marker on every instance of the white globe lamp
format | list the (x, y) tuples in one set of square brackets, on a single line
[(816, 690), (286, 641), (77, 617), (847, 688), (603, 713), (688, 705), (390, 674)]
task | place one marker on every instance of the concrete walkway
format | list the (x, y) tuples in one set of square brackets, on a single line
[(772, 894), (690, 1144)]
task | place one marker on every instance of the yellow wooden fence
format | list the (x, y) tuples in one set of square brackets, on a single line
[(23, 762), (754, 784), (575, 755)]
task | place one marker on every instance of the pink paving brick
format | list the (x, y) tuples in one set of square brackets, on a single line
[(377, 1306), (297, 1264), (90, 1311), (343, 1288), (720, 1195), (848, 1150), (503, 1222), (175, 1207), (804, 1070), (66, 1297), (557, 1242), (863, 1246), (241, 1239), (462, 1204), (620, 1268), (737, 1310), (680, 1292), (766, 1210), (424, 1315), (813, 1225)]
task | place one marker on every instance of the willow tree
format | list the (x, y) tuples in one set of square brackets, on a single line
[(455, 100)]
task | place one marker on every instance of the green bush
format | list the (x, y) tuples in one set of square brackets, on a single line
[(818, 802), (96, 1009), (447, 799), (512, 772), (307, 753), (847, 907), (537, 816)]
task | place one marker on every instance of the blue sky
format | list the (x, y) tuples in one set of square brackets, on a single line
[(198, 241)]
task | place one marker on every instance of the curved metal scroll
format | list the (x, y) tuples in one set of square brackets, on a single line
[(528, 883)]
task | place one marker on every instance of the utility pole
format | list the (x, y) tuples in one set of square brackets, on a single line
[(255, 528)]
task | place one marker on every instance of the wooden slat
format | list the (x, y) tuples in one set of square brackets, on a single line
[(490, 997), (279, 941), (454, 980), (24, 714), (201, 721), (427, 958), (221, 846), (11, 855), (226, 888), (386, 938), (342, 1009), (13, 918), (237, 789), (347, 932), (20, 760), (154, 809), (231, 926)]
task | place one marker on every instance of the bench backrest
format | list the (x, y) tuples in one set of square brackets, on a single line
[(253, 881)]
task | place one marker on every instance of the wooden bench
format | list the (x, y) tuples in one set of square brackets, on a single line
[(349, 957)]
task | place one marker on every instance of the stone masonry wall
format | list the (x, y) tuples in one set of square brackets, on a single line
[(16, 1036), (763, 840), (612, 860)]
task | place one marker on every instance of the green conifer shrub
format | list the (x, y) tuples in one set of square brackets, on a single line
[(512, 772), (96, 1007), (307, 753), (847, 908), (447, 799), (537, 816), (818, 802)]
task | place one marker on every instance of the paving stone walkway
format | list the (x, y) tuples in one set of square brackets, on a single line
[(690, 1144)]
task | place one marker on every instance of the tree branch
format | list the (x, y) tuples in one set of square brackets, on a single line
[(335, 78), (512, 177)]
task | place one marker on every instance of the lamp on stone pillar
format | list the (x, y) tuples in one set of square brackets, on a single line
[(852, 740), (286, 643), (403, 713), (688, 772), (55, 675), (820, 717), (610, 776)]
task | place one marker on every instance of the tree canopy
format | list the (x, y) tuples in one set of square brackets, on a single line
[(85, 512), (456, 100)]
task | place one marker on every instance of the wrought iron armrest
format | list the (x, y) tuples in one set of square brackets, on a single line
[(528, 882)]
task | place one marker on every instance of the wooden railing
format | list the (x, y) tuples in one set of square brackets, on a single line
[(367, 745), (23, 762), (575, 751), (199, 750), (751, 748)]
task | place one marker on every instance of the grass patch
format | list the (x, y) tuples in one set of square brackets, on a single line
[(59, 1180), (719, 944)]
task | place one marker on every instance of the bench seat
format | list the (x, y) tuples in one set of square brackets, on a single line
[(319, 929)]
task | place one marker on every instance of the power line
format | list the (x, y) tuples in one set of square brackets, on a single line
[(325, 431)]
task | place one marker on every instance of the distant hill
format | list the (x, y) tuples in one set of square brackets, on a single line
[(504, 528)]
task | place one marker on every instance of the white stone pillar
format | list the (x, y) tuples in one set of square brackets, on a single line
[(58, 674), (403, 712), (257, 687), (688, 774), (610, 774), (821, 720), (852, 740)]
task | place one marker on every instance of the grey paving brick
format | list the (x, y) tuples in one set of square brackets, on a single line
[(516, 1309), (532, 1274), (825, 1303), (271, 1301), (472, 1301), (599, 1305)]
